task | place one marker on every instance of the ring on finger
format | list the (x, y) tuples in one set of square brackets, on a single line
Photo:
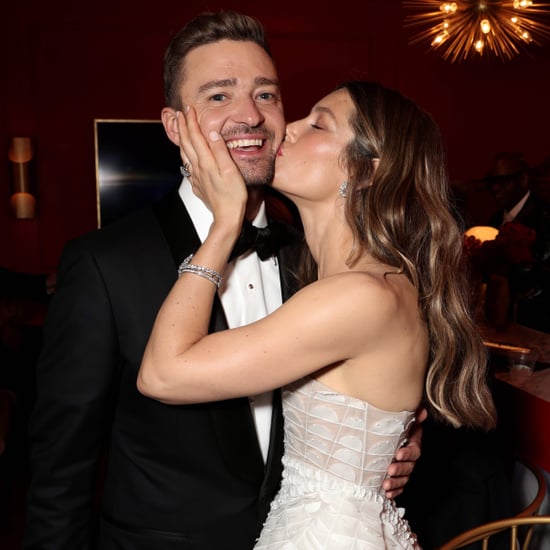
[(186, 170)]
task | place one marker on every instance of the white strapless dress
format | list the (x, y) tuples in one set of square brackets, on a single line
[(337, 451)]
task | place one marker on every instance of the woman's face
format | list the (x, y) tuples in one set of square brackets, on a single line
[(308, 162)]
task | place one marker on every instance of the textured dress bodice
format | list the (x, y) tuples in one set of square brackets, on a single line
[(337, 451)]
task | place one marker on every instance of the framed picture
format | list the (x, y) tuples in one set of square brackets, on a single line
[(136, 164)]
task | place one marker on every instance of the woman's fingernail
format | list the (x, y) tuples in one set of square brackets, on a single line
[(214, 136)]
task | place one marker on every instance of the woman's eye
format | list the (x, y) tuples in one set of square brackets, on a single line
[(316, 126)]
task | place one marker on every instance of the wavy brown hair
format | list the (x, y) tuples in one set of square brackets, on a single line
[(401, 212)]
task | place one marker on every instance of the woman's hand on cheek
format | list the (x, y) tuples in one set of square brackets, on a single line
[(214, 176)]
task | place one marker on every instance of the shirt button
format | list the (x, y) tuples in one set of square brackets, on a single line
[(250, 286)]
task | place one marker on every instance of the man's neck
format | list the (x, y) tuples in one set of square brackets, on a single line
[(202, 217), (256, 196)]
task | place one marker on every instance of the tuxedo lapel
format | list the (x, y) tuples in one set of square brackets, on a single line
[(177, 226), (236, 432), (527, 215), (273, 467), (232, 420), (287, 257)]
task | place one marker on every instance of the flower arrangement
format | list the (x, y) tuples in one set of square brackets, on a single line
[(497, 268), (512, 247)]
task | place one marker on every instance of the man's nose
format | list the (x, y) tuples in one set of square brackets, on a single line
[(248, 112)]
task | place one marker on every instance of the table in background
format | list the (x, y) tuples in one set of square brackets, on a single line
[(521, 336), (524, 414), (524, 411), (523, 405)]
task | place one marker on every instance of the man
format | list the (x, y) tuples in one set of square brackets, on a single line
[(199, 476), (509, 182)]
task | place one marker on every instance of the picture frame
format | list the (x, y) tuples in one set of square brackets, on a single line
[(136, 164)]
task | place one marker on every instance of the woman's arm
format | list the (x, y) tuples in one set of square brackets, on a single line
[(318, 327)]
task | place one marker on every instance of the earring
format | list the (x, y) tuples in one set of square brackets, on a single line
[(185, 170), (343, 189)]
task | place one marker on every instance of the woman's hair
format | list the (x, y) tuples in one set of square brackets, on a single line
[(206, 28), (401, 213)]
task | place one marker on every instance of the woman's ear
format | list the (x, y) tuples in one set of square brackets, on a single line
[(370, 181), (170, 123)]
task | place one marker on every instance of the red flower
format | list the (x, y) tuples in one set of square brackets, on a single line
[(512, 246), (516, 241)]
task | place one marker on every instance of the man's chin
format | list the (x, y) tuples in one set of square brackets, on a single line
[(256, 178)]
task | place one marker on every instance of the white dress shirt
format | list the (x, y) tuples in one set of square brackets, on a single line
[(511, 215), (251, 289)]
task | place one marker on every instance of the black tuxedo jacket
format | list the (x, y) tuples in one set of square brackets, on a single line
[(177, 477), (536, 215)]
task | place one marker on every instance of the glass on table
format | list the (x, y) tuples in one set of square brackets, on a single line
[(521, 362)]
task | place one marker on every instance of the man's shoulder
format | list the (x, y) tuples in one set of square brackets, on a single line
[(135, 225), (129, 239), (128, 228), (129, 249), (535, 213)]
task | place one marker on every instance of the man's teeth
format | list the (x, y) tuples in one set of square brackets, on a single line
[(244, 143)]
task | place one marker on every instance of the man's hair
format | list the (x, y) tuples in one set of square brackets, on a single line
[(206, 28)]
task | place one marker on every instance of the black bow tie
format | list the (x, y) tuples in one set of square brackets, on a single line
[(266, 241)]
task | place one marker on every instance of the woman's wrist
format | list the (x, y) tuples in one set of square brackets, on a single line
[(205, 272), (226, 232)]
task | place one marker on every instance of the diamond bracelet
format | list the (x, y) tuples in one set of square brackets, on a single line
[(210, 274)]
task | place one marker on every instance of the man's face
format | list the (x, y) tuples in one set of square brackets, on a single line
[(508, 180), (234, 88), (507, 190)]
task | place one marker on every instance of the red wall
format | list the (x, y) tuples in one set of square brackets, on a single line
[(63, 64)]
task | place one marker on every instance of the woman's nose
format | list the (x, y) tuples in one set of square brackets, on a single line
[(290, 133)]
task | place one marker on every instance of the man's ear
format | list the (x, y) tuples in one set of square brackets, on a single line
[(170, 123), (525, 181)]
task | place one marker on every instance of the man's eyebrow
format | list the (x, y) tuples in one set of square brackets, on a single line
[(224, 83), (264, 81), (231, 82)]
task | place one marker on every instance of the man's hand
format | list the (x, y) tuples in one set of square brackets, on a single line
[(405, 459)]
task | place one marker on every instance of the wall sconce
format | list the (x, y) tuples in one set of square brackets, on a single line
[(20, 154)]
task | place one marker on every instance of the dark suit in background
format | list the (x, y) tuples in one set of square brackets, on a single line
[(532, 284), (509, 181), (168, 467)]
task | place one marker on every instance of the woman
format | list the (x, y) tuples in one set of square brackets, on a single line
[(382, 326)]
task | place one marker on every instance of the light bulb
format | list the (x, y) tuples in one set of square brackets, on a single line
[(440, 38), (448, 7)]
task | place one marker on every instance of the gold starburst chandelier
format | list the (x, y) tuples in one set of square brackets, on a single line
[(478, 27)]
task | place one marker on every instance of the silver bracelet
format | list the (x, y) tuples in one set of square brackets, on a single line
[(186, 267)]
